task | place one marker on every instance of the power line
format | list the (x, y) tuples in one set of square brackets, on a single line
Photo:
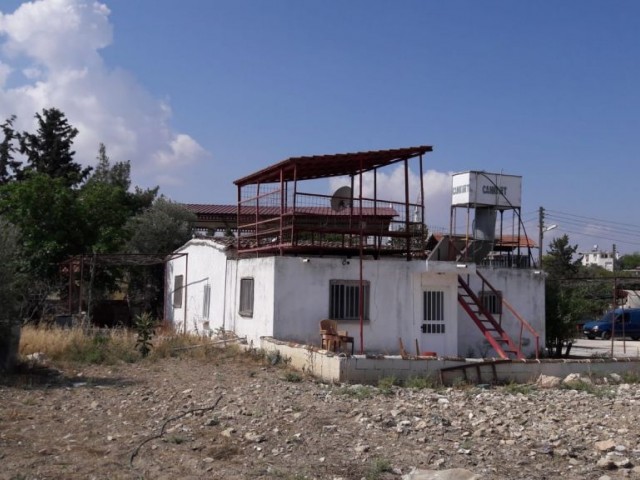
[(564, 214)]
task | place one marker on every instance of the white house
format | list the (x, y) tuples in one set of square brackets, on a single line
[(285, 297), (292, 265), (599, 258)]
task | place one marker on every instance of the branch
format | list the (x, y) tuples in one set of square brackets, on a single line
[(148, 439)]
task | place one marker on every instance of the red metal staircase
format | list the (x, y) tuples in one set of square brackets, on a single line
[(497, 337)]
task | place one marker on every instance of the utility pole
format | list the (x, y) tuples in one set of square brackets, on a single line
[(541, 232), (542, 229), (615, 305)]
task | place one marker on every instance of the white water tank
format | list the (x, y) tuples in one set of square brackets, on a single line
[(476, 189)]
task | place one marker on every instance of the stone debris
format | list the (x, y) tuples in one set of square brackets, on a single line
[(268, 427), (452, 474)]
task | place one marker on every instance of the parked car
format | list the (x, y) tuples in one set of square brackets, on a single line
[(626, 323)]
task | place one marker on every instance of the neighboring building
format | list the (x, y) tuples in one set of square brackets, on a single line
[(599, 258), (297, 258)]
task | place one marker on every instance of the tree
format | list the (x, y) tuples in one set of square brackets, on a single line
[(162, 228), (46, 213), (9, 294), (630, 261), (9, 167), (106, 204), (569, 297), (49, 150)]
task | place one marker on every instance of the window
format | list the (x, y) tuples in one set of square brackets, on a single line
[(491, 301), (206, 300), (246, 297), (344, 299), (177, 291), (433, 311)]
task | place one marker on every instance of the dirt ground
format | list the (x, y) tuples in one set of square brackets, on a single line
[(240, 419)]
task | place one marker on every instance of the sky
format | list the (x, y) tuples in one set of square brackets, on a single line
[(197, 94)]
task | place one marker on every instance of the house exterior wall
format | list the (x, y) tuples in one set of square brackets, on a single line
[(524, 290), (261, 270), (291, 296), (302, 300), (206, 267)]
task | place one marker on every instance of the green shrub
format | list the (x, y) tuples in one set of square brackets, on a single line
[(145, 326), (378, 466), (420, 383), (293, 377), (356, 391), (386, 384)]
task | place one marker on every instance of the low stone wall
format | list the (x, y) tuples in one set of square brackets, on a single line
[(330, 367)]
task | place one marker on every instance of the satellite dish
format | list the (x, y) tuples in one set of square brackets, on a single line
[(341, 199)]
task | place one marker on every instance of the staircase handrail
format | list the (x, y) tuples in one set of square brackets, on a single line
[(523, 322)]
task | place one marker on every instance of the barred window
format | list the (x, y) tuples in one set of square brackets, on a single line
[(178, 285), (344, 299), (491, 301), (246, 297), (433, 311)]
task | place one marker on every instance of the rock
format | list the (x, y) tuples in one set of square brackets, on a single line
[(548, 381), (606, 463), (37, 357), (452, 474), (615, 377), (361, 448), (575, 378), (254, 437), (211, 422), (622, 463), (605, 445), (227, 432)]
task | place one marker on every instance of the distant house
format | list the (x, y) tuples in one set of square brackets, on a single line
[(599, 258), (283, 259)]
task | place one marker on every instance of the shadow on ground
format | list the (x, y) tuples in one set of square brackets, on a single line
[(31, 376)]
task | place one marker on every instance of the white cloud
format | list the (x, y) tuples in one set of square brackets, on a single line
[(390, 186), (5, 71), (50, 57)]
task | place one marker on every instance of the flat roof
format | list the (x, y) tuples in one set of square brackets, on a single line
[(322, 166)]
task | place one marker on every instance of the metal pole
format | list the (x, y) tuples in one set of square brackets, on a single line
[(541, 233), (406, 209), (361, 286)]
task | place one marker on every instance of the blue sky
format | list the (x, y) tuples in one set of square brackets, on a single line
[(199, 93)]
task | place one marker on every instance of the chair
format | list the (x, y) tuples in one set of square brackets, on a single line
[(329, 334), (332, 338)]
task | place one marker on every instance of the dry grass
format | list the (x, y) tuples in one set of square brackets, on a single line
[(119, 345), (58, 344)]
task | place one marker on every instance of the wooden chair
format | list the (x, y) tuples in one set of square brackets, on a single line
[(329, 334), (332, 338)]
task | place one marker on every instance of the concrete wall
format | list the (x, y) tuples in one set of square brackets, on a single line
[(524, 290), (291, 296), (302, 300), (208, 265), (367, 370), (262, 320)]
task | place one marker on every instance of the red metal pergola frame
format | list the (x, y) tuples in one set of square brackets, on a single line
[(276, 217)]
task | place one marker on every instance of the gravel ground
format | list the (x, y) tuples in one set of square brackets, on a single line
[(258, 421)]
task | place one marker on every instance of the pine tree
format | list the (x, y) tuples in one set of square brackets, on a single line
[(9, 166), (49, 150)]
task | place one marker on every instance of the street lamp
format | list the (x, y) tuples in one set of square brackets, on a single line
[(542, 232)]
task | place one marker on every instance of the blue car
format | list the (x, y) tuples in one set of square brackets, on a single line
[(626, 322)]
